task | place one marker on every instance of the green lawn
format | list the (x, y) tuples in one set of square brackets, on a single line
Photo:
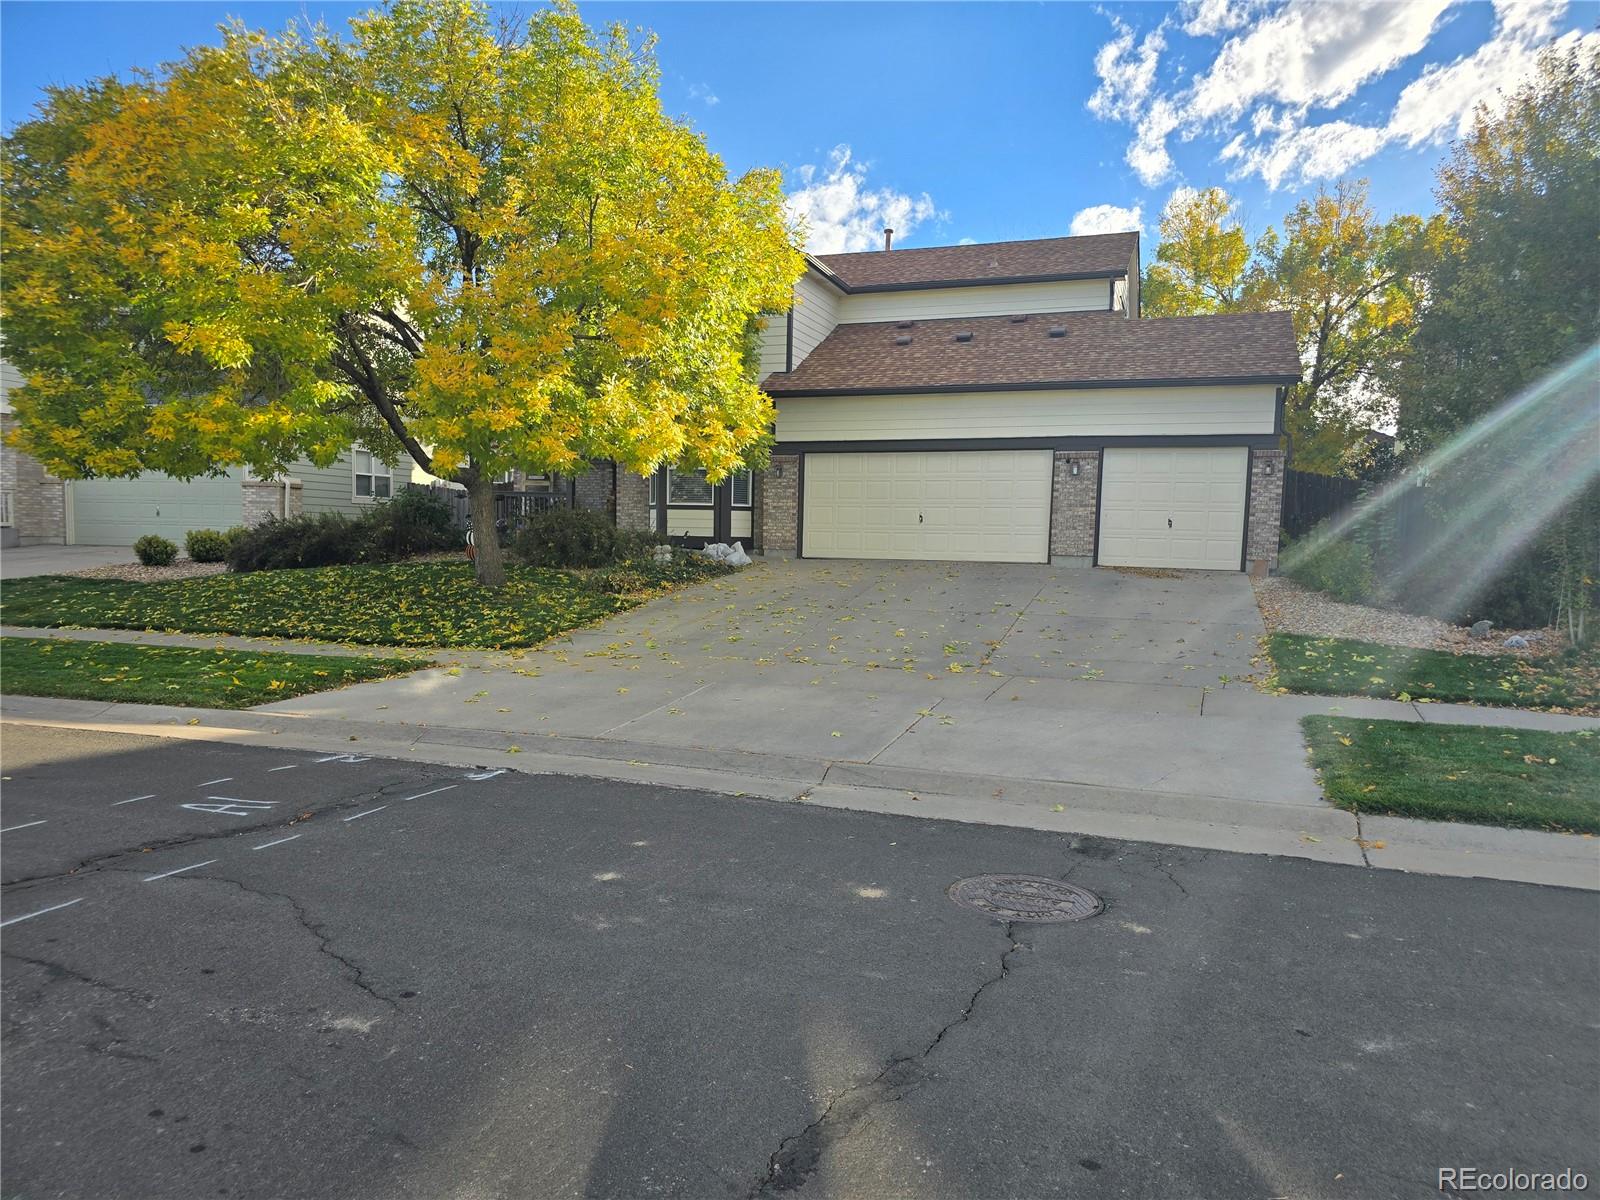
[(1338, 667), (187, 675), (1518, 778), (394, 604)]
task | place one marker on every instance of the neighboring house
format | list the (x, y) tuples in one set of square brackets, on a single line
[(1003, 403), (38, 508)]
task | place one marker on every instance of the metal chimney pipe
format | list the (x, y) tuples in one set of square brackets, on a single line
[(888, 239)]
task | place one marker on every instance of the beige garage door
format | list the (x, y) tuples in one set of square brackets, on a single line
[(1173, 508), (978, 506)]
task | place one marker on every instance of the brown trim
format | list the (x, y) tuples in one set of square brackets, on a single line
[(661, 509), (800, 505), (1099, 488), (1111, 295), (1249, 484), (1050, 513), (1042, 385), (1036, 443), (788, 349)]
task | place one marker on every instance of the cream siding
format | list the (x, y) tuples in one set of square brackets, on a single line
[(690, 522), (816, 312), (774, 344), (1111, 412), (989, 300), (740, 524), (10, 378)]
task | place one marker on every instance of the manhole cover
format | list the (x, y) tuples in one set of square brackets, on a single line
[(1026, 898)]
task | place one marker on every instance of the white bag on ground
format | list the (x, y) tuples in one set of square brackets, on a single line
[(733, 555)]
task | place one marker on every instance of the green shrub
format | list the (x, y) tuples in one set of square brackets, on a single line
[(317, 540), (155, 551), (570, 537), (1338, 566), (414, 522), (206, 545)]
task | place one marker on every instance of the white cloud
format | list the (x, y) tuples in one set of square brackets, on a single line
[(967, 242), (702, 92), (1206, 18), (1126, 75), (1261, 87), (1105, 218), (841, 213)]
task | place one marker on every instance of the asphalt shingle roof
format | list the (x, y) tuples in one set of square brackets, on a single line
[(1096, 255), (1098, 348)]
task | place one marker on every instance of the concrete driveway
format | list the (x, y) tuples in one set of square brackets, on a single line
[(19, 561), (899, 675)]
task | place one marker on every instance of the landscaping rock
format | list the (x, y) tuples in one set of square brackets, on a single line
[(1516, 642), (1480, 629)]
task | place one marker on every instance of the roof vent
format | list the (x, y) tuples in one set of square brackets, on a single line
[(903, 340), (1019, 318), (964, 336), (902, 324), (1058, 331)]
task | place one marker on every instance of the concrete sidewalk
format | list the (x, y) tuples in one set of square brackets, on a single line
[(1293, 825)]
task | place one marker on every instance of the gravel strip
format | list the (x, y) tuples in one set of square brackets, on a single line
[(1286, 607), (139, 573)]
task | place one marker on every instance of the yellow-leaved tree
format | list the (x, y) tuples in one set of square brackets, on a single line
[(480, 247)]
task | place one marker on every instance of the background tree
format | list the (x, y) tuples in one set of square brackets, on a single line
[(1512, 285), (1351, 283), (481, 248), (1202, 259)]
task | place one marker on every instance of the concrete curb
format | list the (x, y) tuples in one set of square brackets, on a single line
[(1291, 829)]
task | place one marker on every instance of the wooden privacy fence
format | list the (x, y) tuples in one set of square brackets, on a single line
[(1310, 499)]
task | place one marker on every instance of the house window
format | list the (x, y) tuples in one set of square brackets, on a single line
[(739, 483), (688, 488), (374, 479)]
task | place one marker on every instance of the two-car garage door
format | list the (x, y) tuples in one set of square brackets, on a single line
[(1158, 507), (972, 505)]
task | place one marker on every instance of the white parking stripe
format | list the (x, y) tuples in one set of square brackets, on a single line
[(290, 767), (40, 913), (179, 871), (131, 799), (368, 813), (209, 782), (279, 842), (24, 825), (435, 791)]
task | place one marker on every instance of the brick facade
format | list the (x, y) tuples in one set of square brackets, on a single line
[(1072, 507), (38, 499), (777, 511), (1265, 511), (593, 489), (633, 501), (262, 499)]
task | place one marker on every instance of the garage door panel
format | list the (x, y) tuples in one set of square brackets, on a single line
[(1173, 507), (117, 512), (973, 506)]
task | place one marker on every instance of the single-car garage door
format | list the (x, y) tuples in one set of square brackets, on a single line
[(116, 512), (1173, 508), (979, 506)]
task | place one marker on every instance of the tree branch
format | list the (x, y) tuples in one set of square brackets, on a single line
[(362, 374)]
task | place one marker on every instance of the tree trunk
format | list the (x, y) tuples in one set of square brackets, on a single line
[(488, 560)]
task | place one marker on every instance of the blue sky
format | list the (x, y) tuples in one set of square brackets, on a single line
[(991, 121)]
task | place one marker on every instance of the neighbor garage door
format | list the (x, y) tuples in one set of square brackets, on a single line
[(114, 512), (1173, 508), (982, 506)]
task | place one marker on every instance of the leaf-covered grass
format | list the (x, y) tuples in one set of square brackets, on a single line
[(1339, 667), (395, 604), (188, 675), (1517, 778)]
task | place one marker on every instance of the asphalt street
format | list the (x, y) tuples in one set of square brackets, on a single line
[(242, 972)]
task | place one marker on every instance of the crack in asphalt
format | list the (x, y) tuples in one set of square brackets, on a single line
[(797, 1157), (357, 973), (99, 862), (59, 972)]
